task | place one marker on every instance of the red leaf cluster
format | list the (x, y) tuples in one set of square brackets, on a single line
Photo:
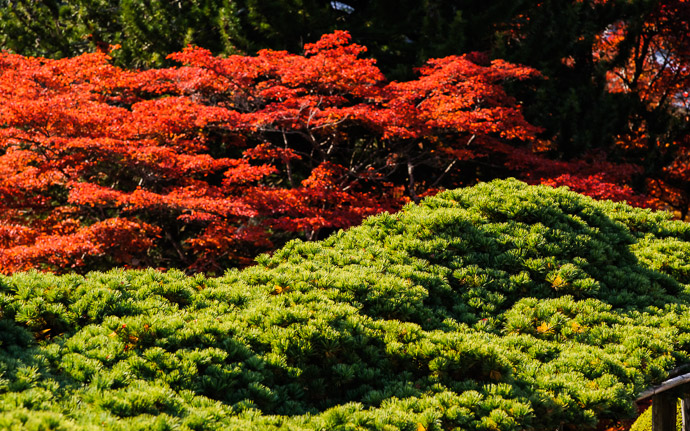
[(202, 166)]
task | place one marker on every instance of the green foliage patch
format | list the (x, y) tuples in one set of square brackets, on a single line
[(501, 306)]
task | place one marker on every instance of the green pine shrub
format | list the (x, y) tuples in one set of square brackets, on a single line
[(498, 307)]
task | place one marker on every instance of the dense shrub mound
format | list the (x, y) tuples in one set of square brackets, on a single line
[(502, 306)]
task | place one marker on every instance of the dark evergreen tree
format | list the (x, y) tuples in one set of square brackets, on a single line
[(399, 34), (47, 28), (559, 39), (147, 31), (153, 29)]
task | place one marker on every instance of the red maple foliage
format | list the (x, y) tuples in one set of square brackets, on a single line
[(592, 175), (205, 165)]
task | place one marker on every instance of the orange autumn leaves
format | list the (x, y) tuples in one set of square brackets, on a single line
[(202, 166)]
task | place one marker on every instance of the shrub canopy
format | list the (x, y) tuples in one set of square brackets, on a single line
[(502, 306)]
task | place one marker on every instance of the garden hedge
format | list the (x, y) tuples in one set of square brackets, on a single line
[(498, 307)]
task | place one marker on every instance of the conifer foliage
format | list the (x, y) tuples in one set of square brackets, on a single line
[(503, 306), (202, 166)]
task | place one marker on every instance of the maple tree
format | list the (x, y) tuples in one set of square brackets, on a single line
[(204, 165), (615, 72)]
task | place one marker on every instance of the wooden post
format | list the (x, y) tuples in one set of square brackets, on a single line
[(663, 412), (664, 405)]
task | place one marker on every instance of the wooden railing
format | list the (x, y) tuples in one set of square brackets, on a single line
[(664, 401)]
